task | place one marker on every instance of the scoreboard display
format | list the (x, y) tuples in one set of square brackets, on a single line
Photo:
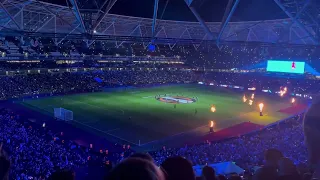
[(285, 66)]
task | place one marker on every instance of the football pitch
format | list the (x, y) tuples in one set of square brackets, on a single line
[(141, 116)]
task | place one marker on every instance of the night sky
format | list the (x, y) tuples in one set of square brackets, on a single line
[(210, 10)]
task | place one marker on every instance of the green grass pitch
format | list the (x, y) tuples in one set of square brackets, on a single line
[(135, 114)]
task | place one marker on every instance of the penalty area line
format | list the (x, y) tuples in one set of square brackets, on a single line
[(108, 111), (113, 130), (147, 97), (106, 132)]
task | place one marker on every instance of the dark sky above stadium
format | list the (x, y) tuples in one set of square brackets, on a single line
[(210, 10)]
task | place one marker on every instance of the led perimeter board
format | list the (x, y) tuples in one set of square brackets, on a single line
[(285, 66)]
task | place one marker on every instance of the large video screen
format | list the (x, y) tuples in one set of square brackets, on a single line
[(285, 66)]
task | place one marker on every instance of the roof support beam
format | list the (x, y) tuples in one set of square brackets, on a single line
[(67, 35), (106, 11), (77, 14), (44, 24), (4, 26), (226, 12), (294, 19), (306, 4), (200, 20), (154, 19), (288, 27), (56, 15), (225, 23), (202, 23), (9, 15)]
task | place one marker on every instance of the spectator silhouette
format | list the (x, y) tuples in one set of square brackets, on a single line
[(247, 175), (178, 168), (208, 173), (144, 156), (62, 175), (312, 136), (4, 168), (4, 164), (270, 170), (137, 169), (287, 170), (221, 177), (235, 177), (307, 176)]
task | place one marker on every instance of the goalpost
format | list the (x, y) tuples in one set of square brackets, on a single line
[(63, 114)]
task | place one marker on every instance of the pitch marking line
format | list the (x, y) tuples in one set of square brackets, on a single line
[(91, 122), (107, 132), (134, 92), (113, 130), (109, 112), (148, 97)]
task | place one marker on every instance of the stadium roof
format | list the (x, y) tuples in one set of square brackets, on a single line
[(100, 20), (209, 10)]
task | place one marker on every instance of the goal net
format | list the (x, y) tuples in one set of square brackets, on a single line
[(63, 114)]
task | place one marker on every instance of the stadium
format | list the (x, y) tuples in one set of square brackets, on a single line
[(204, 90)]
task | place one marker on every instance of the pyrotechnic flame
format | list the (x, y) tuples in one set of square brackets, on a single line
[(282, 93), (213, 109), (244, 98), (211, 124), (261, 105)]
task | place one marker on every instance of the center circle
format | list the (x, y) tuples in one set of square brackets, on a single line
[(176, 99)]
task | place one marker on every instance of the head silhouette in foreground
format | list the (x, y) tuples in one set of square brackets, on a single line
[(270, 169), (4, 164), (136, 168), (184, 170), (312, 136)]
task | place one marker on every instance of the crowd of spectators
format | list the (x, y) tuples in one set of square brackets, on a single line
[(262, 82), (78, 82), (36, 84), (63, 83), (286, 136), (143, 78), (36, 152), (33, 152), (205, 56)]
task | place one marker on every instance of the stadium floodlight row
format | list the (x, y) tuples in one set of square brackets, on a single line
[(33, 16)]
